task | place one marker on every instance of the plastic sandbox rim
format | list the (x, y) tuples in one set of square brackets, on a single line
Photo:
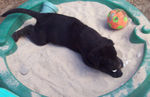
[(129, 89)]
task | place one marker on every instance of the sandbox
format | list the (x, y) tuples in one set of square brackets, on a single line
[(132, 87)]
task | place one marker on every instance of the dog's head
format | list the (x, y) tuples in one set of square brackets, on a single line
[(104, 58)]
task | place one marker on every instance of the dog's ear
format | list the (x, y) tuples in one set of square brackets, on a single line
[(104, 49), (94, 57)]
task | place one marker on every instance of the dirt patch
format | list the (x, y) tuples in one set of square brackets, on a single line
[(143, 5), (8, 4)]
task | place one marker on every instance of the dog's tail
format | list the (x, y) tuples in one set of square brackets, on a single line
[(21, 10)]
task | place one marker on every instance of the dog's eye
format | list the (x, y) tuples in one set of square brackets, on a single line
[(114, 70)]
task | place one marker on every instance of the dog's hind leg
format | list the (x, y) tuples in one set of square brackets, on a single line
[(23, 32), (36, 36)]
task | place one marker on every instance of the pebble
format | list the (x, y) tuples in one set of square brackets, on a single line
[(23, 70), (138, 55), (126, 62)]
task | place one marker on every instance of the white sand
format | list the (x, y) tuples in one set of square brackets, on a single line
[(59, 72)]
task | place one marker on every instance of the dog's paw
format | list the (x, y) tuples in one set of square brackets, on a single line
[(15, 37)]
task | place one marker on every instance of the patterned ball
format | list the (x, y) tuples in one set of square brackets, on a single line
[(117, 19)]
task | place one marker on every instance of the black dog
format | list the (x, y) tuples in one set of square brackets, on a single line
[(97, 52)]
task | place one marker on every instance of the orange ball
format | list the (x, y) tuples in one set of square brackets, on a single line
[(117, 19)]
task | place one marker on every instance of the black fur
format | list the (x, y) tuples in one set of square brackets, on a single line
[(97, 52)]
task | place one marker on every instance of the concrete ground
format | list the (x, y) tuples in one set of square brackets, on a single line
[(143, 5)]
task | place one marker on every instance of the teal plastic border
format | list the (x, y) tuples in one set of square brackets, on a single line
[(132, 88), (6, 93)]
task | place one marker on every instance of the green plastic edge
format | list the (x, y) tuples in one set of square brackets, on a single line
[(6, 93), (141, 90)]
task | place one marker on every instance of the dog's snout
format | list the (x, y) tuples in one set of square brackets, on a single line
[(117, 74)]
